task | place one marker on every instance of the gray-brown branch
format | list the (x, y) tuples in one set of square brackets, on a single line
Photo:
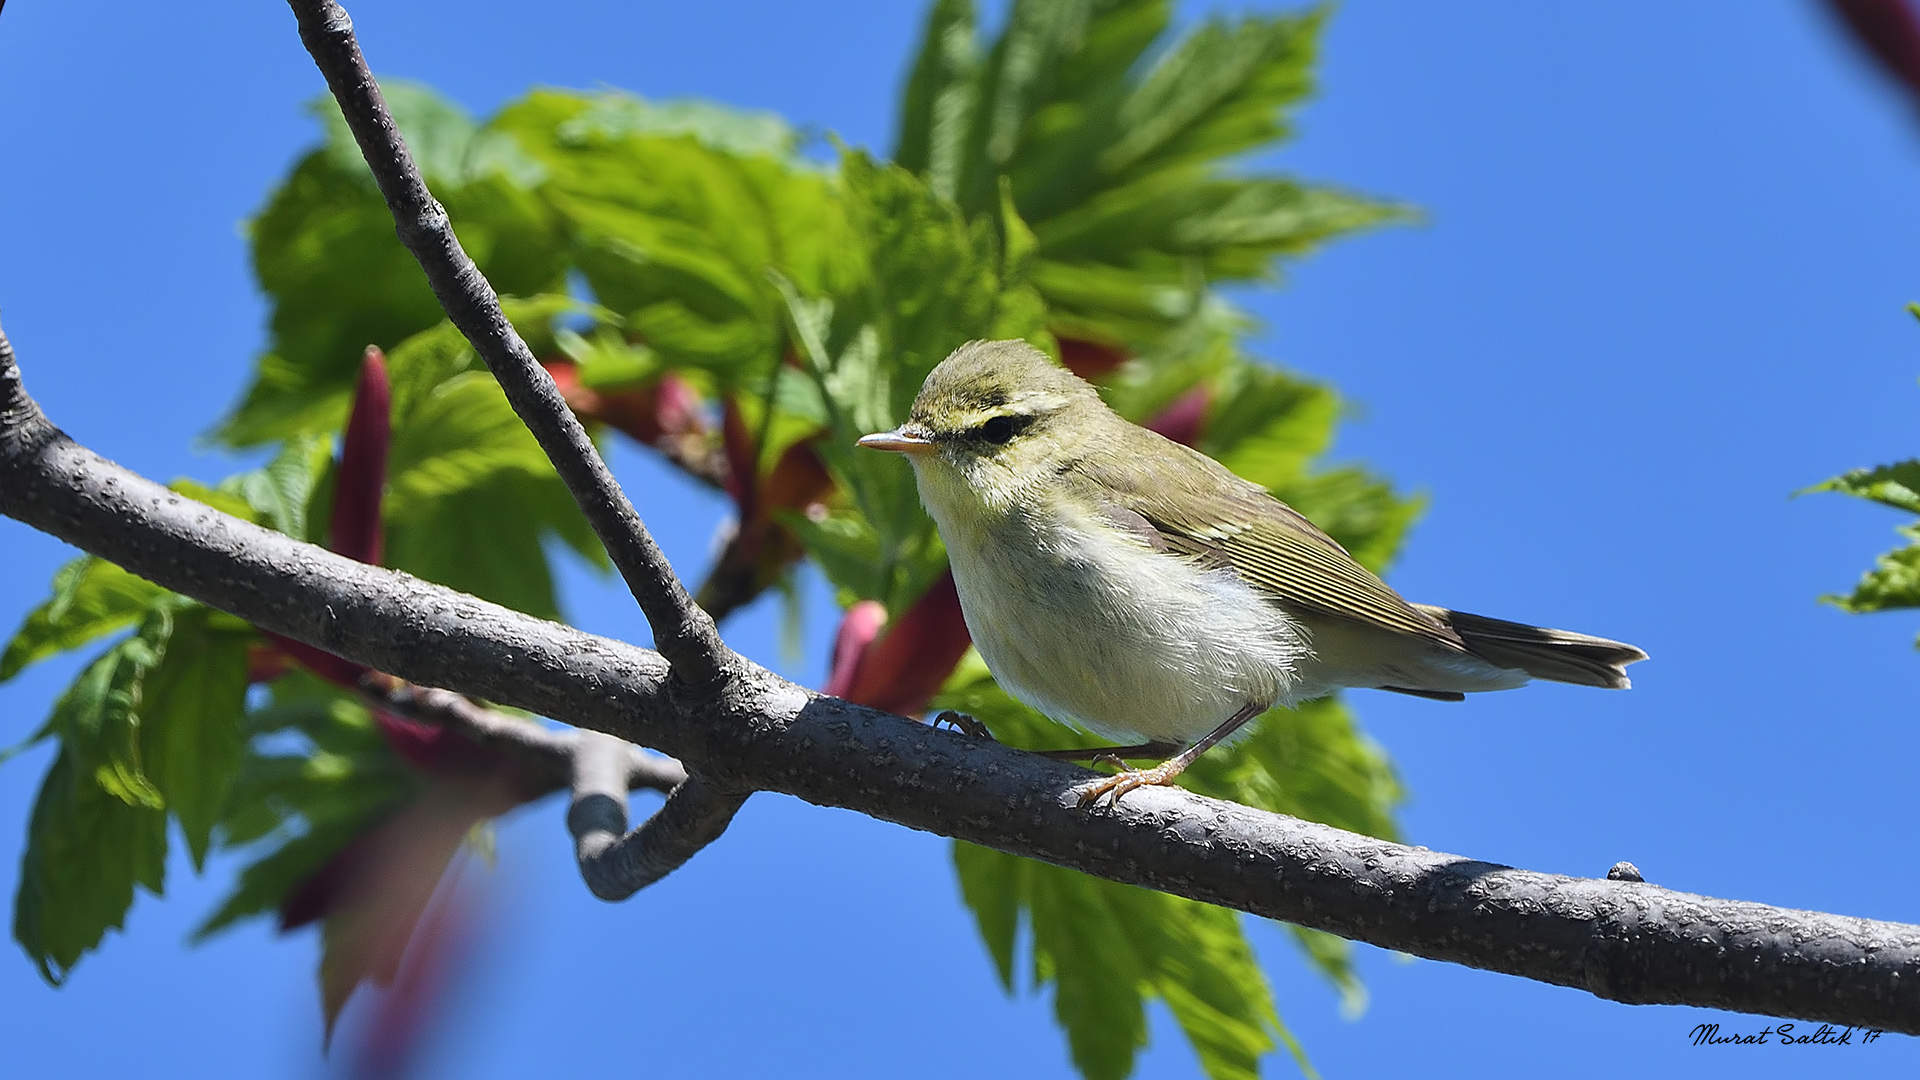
[(546, 757), (683, 633), (1627, 941), (601, 770), (616, 863)]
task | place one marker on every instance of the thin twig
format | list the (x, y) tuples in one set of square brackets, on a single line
[(545, 755), (1622, 940), (683, 633), (616, 863)]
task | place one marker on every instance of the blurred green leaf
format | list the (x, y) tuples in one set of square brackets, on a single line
[(267, 881), (1015, 81), (1333, 956), (611, 114), (851, 555), (676, 215), (994, 887), (872, 552), (1193, 355), (940, 97), (279, 494), (608, 361), (191, 713), (226, 498), (471, 496), (935, 279), (338, 278), (91, 598), (1217, 93), (152, 725), (1118, 304), (99, 716), (1267, 425), (798, 413), (1055, 163), (279, 490), (86, 849), (1161, 226), (460, 433), (326, 801), (299, 809), (449, 147), (1115, 145), (333, 719), (1108, 949)]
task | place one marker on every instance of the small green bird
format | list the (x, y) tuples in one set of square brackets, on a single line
[(1115, 579)]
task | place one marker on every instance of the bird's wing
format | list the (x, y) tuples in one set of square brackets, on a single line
[(1194, 506)]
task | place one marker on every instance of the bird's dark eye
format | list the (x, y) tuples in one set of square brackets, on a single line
[(998, 429)]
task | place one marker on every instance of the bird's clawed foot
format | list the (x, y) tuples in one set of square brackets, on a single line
[(962, 723), (1120, 783)]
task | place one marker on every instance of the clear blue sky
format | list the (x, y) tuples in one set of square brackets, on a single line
[(1660, 288)]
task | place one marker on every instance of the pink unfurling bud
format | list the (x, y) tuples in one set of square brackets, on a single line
[(1090, 359), (354, 529), (858, 628), (902, 670), (362, 478), (1184, 420)]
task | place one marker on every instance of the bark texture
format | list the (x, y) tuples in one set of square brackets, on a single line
[(1623, 940), (684, 633), (738, 728)]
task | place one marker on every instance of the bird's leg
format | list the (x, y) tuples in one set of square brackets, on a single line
[(1164, 772), (1097, 753)]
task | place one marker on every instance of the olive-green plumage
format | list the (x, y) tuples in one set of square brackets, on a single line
[(1116, 579)]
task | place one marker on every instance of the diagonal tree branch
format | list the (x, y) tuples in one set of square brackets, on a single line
[(616, 863), (685, 635), (1622, 940)]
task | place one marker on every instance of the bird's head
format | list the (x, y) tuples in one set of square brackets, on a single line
[(994, 418)]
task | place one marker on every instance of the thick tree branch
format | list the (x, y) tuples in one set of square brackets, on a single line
[(616, 863), (1627, 941), (683, 633)]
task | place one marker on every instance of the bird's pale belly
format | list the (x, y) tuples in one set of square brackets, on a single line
[(1123, 640)]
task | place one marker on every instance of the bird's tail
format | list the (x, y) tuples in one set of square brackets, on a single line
[(1559, 655)]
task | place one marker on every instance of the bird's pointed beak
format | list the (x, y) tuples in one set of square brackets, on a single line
[(905, 439)]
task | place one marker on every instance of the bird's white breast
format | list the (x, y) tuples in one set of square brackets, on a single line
[(1088, 624)]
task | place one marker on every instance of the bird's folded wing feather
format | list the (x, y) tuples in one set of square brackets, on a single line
[(1204, 511)]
